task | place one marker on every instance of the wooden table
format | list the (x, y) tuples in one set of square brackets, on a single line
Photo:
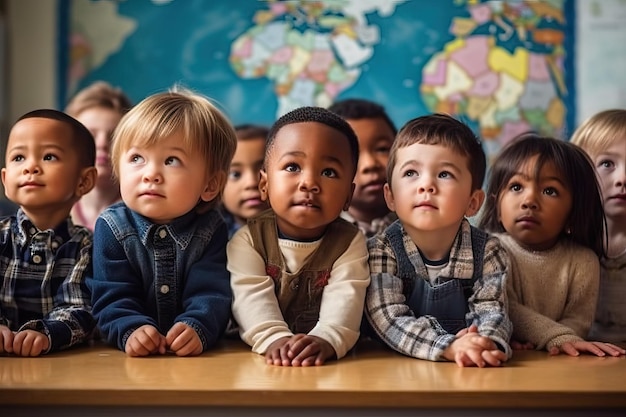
[(369, 378)]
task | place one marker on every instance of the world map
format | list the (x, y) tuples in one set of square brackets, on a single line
[(501, 66)]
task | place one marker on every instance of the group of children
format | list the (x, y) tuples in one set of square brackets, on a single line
[(327, 227)]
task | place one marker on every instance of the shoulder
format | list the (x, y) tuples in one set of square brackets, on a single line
[(579, 254)]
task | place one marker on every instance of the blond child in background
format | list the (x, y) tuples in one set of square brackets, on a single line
[(376, 133), (438, 284), (544, 205), (603, 137), (44, 257), (242, 198), (298, 271), (99, 107), (160, 280)]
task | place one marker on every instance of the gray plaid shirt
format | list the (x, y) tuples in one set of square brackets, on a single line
[(423, 337)]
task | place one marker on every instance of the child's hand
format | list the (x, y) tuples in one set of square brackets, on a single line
[(517, 345), (276, 353), (183, 340), (472, 349), (596, 348), (30, 343), (6, 340), (145, 341), (306, 350)]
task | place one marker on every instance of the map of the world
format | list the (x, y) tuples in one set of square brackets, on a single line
[(504, 67)]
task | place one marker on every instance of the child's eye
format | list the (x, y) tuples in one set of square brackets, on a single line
[(136, 159), (384, 150), (234, 175), (330, 173), (515, 187), (292, 167), (50, 157), (551, 191), (18, 158), (446, 174), (606, 163), (410, 173), (173, 161)]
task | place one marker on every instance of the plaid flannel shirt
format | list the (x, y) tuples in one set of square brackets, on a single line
[(423, 337), (43, 286)]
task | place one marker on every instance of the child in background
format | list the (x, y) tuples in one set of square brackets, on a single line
[(437, 283), (99, 107), (544, 204), (160, 280), (298, 271), (603, 137), (376, 133), (44, 257), (242, 198)]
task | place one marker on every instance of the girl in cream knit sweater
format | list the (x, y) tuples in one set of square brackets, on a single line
[(544, 204)]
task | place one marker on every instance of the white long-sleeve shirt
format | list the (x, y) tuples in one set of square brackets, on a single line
[(255, 306)]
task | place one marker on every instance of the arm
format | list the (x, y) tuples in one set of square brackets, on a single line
[(117, 289), (341, 308), (530, 325), (488, 305), (255, 307), (207, 295), (390, 317), (582, 295), (69, 322)]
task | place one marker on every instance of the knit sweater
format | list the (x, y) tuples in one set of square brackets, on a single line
[(552, 293), (610, 322)]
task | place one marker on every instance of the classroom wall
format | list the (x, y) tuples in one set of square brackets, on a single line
[(30, 61)]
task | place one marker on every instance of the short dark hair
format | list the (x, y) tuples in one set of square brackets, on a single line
[(442, 129), (358, 108), (251, 131), (316, 115), (586, 222), (82, 139)]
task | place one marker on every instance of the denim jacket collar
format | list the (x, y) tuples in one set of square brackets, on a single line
[(180, 229)]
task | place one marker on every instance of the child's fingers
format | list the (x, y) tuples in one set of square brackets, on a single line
[(610, 348), (494, 357)]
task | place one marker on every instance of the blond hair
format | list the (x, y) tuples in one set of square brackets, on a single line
[(601, 131), (205, 130), (100, 94)]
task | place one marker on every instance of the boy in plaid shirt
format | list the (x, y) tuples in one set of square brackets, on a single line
[(437, 287)]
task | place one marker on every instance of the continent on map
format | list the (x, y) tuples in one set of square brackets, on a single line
[(310, 50), (98, 33), (503, 70)]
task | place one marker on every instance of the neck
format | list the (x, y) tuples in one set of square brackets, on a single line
[(47, 217), (369, 214), (434, 244), (617, 237), (89, 207)]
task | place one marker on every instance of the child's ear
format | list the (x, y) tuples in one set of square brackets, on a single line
[(475, 203), (391, 203), (349, 199), (214, 186), (263, 185), (86, 181)]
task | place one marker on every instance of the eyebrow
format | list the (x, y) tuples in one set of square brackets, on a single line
[(329, 158), (529, 178), (44, 146), (443, 164)]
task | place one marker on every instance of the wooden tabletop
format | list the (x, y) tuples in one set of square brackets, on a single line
[(231, 375)]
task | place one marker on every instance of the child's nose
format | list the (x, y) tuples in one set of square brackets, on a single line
[(308, 183)]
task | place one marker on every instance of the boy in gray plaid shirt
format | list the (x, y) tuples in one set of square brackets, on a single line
[(437, 287)]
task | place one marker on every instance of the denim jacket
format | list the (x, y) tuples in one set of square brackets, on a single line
[(160, 274)]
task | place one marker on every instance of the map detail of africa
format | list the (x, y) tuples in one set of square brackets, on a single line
[(496, 65), (310, 66)]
